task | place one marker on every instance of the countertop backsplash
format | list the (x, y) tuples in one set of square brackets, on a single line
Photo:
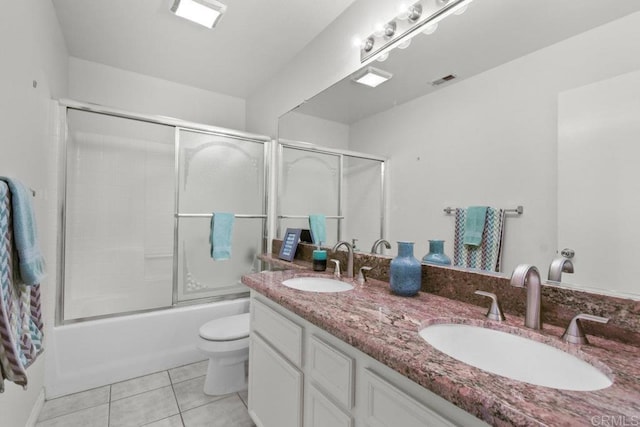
[(559, 305)]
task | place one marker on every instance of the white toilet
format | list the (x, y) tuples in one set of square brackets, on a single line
[(225, 342)]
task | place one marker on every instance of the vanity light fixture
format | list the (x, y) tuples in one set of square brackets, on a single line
[(204, 12), (370, 76), (422, 16)]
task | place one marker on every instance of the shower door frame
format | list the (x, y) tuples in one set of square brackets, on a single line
[(340, 153), (68, 104)]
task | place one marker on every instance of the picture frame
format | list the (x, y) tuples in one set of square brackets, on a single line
[(290, 243)]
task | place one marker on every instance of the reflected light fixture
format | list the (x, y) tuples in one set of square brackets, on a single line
[(421, 16), (370, 76), (204, 12)]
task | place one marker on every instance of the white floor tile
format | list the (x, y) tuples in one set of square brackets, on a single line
[(143, 408), (139, 385), (74, 402), (188, 372), (244, 395), (174, 421), (227, 412), (97, 416), (190, 394)]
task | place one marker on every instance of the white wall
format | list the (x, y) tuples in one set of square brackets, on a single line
[(113, 87), (598, 178), (492, 139), (32, 49), (305, 128)]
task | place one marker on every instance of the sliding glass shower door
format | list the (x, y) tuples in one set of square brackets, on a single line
[(217, 174), (119, 215), (137, 203)]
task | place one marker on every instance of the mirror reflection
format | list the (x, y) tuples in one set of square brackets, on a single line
[(529, 77)]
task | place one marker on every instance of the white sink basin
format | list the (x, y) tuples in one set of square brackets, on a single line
[(317, 284), (515, 357)]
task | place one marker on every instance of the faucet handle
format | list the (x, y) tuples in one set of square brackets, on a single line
[(574, 334), (361, 276), (495, 312), (336, 270)]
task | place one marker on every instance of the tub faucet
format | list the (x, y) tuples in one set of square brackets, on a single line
[(377, 243), (528, 276), (558, 266), (349, 268)]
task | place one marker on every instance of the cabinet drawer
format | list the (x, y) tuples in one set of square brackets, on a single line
[(332, 370), (323, 413), (388, 406), (279, 331)]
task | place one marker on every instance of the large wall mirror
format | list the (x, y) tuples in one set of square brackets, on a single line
[(543, 112)]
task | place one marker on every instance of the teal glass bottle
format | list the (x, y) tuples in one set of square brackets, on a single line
[(405, 272), (436, 254)]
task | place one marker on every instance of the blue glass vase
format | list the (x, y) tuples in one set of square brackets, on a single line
[(436, 254), (405, 271)]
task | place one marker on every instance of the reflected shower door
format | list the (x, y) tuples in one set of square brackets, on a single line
[(118, 215), (309, 184), (363, 181), (217, 174)]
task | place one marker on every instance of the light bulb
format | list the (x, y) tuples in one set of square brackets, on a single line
[(405, 44), (382, 57), (430, 29), (378, 29), (356, 41), (403, 11)]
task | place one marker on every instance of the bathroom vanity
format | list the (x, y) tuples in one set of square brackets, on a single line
[(355, 358)]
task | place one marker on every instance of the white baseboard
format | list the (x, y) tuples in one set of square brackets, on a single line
[(35, 411)]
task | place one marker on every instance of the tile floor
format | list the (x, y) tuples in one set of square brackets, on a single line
[(172, 398)]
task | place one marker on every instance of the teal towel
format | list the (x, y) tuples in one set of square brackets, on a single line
[(318, 226), (221, 232), (474, 225), (32, 266)]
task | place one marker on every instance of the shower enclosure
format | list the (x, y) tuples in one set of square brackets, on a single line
[(348, 187), (137, 200)]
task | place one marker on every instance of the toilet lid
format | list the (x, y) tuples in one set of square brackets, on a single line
[(226, 328)]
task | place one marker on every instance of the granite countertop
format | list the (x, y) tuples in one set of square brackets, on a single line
[(385, 327)]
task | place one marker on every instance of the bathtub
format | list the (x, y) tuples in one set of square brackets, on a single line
[(91, 354)]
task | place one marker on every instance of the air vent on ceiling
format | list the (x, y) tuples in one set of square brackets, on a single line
[(443, 80)]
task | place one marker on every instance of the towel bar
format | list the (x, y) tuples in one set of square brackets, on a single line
[(519, 210), (209, 215), (307, 216)]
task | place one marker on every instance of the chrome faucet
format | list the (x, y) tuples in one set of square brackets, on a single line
[(558, 266), (528, 276), (349, 256), (377, 243)]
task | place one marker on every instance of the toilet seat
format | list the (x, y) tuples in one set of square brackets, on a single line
[(229, 328)]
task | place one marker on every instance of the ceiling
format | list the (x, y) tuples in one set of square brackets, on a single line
[(488, 34), (253, 40)]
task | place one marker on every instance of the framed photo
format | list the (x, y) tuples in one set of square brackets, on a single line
[(290, 243)]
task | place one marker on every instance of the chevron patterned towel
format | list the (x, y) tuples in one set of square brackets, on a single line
[(487, 255), (20, 316)]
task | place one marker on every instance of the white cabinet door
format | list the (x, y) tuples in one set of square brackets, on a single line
[(321, 412), (275, 387), (387, 406)]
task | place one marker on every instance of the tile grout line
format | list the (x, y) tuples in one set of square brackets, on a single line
[(109, 411), (176, 398)]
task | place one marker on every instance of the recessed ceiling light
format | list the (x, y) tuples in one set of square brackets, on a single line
[(371, 76), (204, 12)]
